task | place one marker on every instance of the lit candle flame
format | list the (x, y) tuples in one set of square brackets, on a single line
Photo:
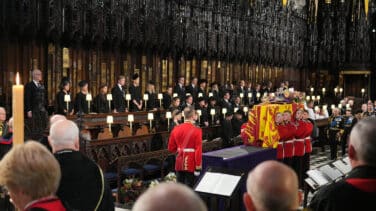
[(17, 78)]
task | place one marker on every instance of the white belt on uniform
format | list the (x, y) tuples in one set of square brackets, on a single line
[(187, 150)]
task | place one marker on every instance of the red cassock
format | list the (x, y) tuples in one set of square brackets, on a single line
[(286, 133), (186, 141)]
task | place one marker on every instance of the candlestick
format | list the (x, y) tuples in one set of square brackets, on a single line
[(258, 95), (18, 111), (89, 98), (198, 114), (249, 97), (128, 98), (160, 97), (146, 98), (224, 111), (245, 109), (110, 120), (67, 99), (150, 118), (212, 113), (130, 120), (168, 116), (109, 99)]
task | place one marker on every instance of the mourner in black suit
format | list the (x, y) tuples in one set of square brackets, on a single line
[(356, 191), (101, 104), (202, 89), (225, 102), (118, 95), (227, 130), (242, 90), (180, 89), (215, 91), (81, 105), (203, 106), (35, 107), (135, 91), (167, 98), (61, 104), (192, 88), (82, 185), (6, 134)]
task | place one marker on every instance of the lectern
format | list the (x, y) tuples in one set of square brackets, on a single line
[(220, 188)]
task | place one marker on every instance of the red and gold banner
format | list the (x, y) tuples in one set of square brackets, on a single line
[(260, 129)]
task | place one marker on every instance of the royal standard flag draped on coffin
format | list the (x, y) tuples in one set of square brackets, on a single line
[(261, 127)]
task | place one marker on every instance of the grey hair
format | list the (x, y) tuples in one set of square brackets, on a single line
[(362, 137), (64, 133)]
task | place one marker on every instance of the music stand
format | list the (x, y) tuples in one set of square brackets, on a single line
[(221, 185)]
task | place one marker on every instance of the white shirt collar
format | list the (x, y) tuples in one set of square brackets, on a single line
[(36, 82)]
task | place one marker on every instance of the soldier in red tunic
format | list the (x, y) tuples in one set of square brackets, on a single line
[(288, 134), (307, 140), (299, 144), (186, 141), (282, 133)]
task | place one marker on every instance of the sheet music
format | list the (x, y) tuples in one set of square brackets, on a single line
[(332, 173), (311, 183), (340, 165), (317, 176), (218, 183), (346, 160)]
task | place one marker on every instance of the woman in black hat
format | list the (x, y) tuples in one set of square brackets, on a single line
[(61, 104), (135, 91), (81, 104)]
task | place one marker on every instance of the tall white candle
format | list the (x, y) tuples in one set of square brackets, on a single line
[(18, 111)]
